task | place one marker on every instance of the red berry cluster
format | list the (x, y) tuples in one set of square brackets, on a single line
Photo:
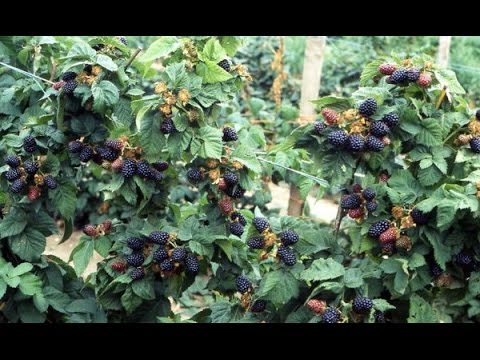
[(94, 231)]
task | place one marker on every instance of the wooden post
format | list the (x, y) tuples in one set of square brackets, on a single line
[(444, 51), (312, 72)]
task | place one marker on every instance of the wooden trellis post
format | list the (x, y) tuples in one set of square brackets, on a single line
[(444, 51), (312, 72)]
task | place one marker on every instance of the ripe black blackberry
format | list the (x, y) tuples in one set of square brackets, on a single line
[(167, 126), (156, 175), (287, 255), (194, 175), (229, 134), (31, 167), (374, 144), (477, 114), (123, 40), (330, 316), (114, 144), (399, 76), (391, 119), (88, 69), (379, 129), (463, 259), (137, 274), (224, 64), (160, 254), (98, 47), (362, 305), (355, 143), (435, 269), (371, 206), (230, 178), (352, 201), (129, 168), (135, 243), (178, 254), (236, 228), (50, 181), (160, 165), (12, 161), (289, 237), (368, 107), (318, 127), (29, 144), (475, 145), (143, 169), (86, 154), (235, 192), (69, 75), (243, 284), (379, 317), (338, 138), (377, 228), (107, 153), (261, 224), (413, 74), (419, 217), (135, 259), (191, 264), (258, 306), (369, 194), (12, 174), (75, 146), (18, 186), (236, 216), (159, 237), (256, 242), (166, 265), (70, 87)]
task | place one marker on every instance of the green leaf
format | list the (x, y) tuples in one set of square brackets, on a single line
[(151, 139), (474, 284), (3, 287), (106, 62), (20, 269), (353, 278), (430, 133), (144, 289), (28, 245), (429, 176), (56, 299), (226, 246), (68, 230), (130, 301), (65, 200), (382, 305), (40, 302), (29, 314), (448, 78), (30, 284), (230, 44), (370, 71), (247, 157), (115, 183), (322, 269), (403, 187), (13, 224), (102, 245), (333, 102), (211, 140), (104, 94), (211, 73), (441, 252), (224, 312), (160, 48), (81, 51), (278, 287), (420, 311), (82, 306), (82, 255), (213, 51)]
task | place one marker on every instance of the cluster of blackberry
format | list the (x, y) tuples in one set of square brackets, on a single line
[(405, 75), (467, 261), (266, 241), (109, 155), (473, 136), (68, 83), (26, 175), (167, 259), (230, 185), (104, 228), (359, 201), (365, 134), (386, 234), (244, 287)]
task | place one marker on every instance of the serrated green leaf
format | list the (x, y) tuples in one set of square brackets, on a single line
[(211, 142), (30, 284), (82, 255), (230, 44), (370, 71), (353, 278), (106, 62), (213, 51), (211, 73), (104, 94), (430, 133), (103, 244), (13, 224), (333, 102), (447, 78), (160, 48), (64, 199), (144, 289), (322, 269), (420, 311), (130, 301), (382, 305), (247, 157), (278, 287), (20, 269), (28, 245)]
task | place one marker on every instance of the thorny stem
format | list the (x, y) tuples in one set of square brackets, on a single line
[(134, 55)]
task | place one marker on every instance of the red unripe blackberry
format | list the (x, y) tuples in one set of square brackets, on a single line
[(317, 306), (424, 80), (34, 193), (226, 206), (118, 266), (387, 69), (355, 213), (330, 116), (90, 230)]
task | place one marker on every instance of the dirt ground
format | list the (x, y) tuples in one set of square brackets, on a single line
[(321, 210)]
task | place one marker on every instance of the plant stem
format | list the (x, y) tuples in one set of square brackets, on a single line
[(134, 55), (452, 134), (60, 112)]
